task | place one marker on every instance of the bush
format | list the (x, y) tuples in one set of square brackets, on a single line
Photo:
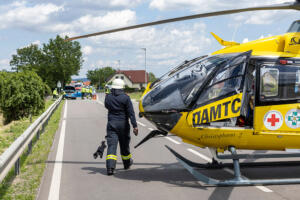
[(2, 76), (22, 94), (128, 89), (48, 91)]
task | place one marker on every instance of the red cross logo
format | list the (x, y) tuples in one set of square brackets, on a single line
[(273, 120)]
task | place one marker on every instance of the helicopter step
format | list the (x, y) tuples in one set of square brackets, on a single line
[(238, 179)]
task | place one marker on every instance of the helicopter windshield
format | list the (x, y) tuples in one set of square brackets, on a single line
[(295, 27), (179, 87), (174, 70)]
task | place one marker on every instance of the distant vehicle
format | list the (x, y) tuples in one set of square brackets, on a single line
[(71, 93), (78, 86)]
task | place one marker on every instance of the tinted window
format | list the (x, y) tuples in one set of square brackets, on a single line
[(69, 89)]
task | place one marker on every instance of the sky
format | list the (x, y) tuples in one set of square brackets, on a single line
[(36, 21)]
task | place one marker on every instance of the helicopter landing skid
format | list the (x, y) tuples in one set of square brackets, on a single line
[(238, 179)]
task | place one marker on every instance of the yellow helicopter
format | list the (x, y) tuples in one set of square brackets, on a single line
[(244, 96)]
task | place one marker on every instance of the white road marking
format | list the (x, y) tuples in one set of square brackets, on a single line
[(100, 103), (56, 177), (151, 129), (141, 123), (262, 188), (172, 140), (200, 155), (65, 111)]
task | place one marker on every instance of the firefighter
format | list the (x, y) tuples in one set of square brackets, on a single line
[(55, 94), (82, 92), (91, 92), (120, 109)]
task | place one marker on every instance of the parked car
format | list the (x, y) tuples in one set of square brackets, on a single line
[(70, 92)]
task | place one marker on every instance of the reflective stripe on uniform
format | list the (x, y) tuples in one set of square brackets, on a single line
[(126, 157), (111, 156)]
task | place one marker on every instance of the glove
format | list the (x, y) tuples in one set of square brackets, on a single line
[(136, 131)]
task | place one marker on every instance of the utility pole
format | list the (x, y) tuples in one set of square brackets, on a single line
[(145, 66)]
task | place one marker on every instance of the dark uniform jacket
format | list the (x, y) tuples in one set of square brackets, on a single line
[(119, 107)]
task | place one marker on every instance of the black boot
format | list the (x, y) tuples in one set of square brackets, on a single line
[(127, 165), (110, 171)]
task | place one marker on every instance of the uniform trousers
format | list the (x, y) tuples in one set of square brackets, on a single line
[(118, 131)]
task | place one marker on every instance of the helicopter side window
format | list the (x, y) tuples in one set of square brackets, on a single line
[(269, 82), (279, 82)]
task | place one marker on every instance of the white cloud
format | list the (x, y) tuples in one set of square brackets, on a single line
[(89, 23), (87, 50), (207, 6), (37, 42), (166, 46), (111, 3), (19, 14), (202, 6), (124, 3), (4, 64), (111, 19), (245, 40)]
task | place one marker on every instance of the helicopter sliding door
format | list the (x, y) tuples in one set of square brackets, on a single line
[(220, 101), (277, 109)]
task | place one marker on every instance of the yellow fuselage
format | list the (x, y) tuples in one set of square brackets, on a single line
[(258, 137)]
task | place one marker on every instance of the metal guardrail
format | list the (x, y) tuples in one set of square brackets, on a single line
[(11, 156)]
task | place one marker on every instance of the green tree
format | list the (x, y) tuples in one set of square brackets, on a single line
[(61, 60), (56, 61), (100, 75), (21, 94), (152, 77), (27, 58)]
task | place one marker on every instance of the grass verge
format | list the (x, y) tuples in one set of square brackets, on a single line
[(9, 133), (25, 185), (135, 95)]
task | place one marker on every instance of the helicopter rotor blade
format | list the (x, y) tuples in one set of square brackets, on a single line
[(284, 6)]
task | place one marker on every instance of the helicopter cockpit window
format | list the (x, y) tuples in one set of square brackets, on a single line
[(279, 82), (295, 27), (178, 91), (227, 81), (181, 66)]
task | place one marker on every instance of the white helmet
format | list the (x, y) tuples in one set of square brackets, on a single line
[(117, 84)]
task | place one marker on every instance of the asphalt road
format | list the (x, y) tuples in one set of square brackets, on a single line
[(72, 173)]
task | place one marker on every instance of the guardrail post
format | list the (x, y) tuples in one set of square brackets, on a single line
[(17, 167), (38, 135), (29, 148)]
